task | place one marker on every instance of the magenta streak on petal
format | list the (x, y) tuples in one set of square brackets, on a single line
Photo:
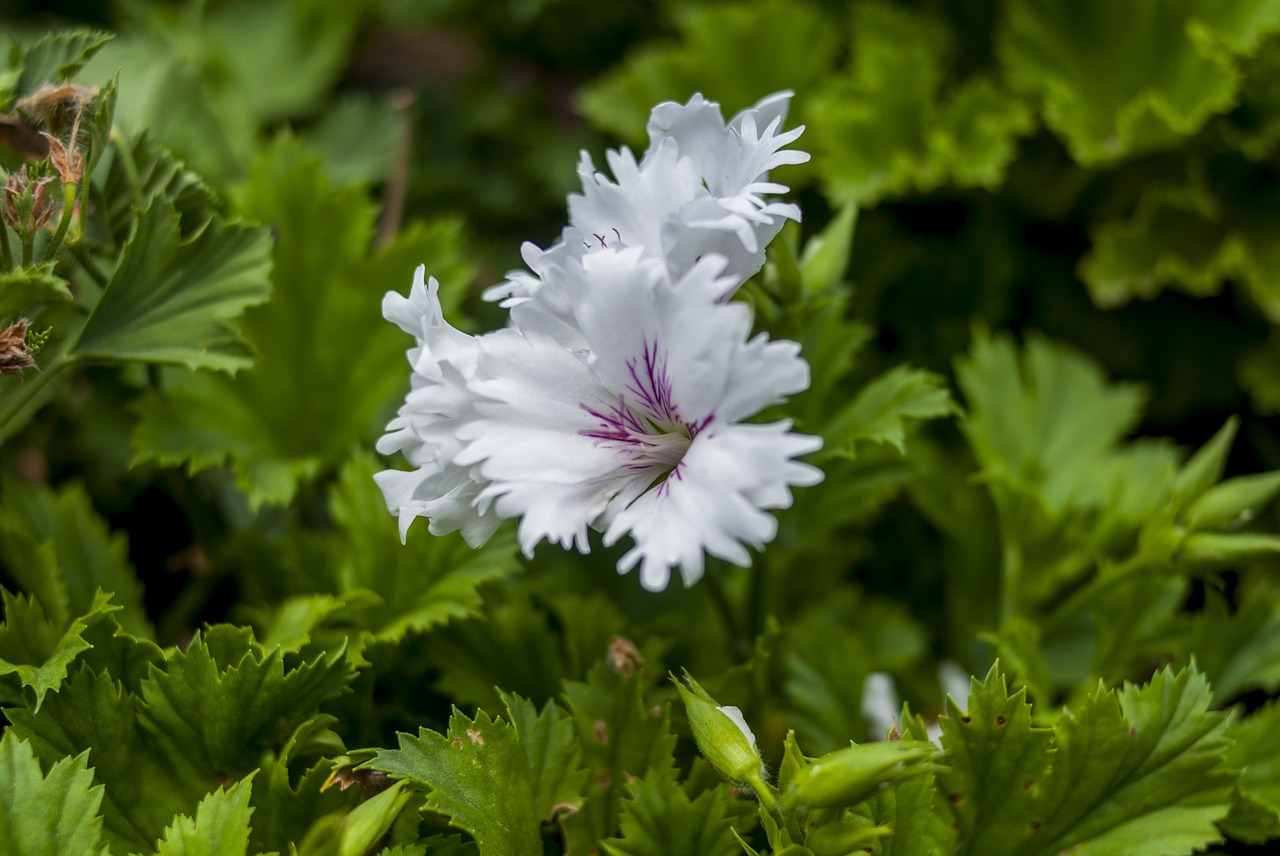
[(650, 434)]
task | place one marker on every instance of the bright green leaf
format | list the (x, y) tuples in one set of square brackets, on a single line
[(22, 290), (885, 408), (495, 780), (219, 828), (53, 815)]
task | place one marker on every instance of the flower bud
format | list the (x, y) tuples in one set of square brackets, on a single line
[(849, 776), (25, 205), (723, 736), (1233, 503), (1207, 550)]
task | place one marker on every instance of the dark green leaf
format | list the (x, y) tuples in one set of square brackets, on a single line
[(53, 815)]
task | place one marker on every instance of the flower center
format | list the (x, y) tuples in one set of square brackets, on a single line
[(645, 425)]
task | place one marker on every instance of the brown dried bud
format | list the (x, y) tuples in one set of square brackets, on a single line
[(26, 205), (624, 657), (14, 353), (68, 162), (57, 107)]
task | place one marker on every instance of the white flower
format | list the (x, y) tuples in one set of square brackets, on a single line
[(638, 432), (698, 190)]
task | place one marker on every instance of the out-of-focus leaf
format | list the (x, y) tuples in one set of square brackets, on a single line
[(205, 79), (53, 815), (358, 137), (22, 290), (792, 46), (1237, 651), (659, 819), (39, 650), (1255, 748), (1216, 226), (83, 556), (622, 739), (328, 363), (220, 826), (884, 410), (51, 59), (172, 298), (1119, 78), (889, 125), (495, 780)]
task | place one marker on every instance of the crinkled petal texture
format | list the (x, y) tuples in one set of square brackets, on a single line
[(639, 438), (699, 190)]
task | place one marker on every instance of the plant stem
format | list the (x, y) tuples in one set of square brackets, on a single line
[(68, 212), (6, 254), (1088, 594), (87, 264)]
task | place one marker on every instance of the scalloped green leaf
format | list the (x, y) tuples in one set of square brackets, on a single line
[(172, 298), (792, 46), (39, 650), (1255, 748), (895, 122), (47, 815), (497, 781), (220, 826), (52, 59), (1118, 78), (223, 700), (659, 819)]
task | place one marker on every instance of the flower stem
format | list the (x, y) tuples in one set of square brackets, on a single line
[(64, 221), (6, 254)]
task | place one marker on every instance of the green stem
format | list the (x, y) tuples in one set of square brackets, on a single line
[(721, 602), (6, 254), (28, 248), (88, 265), (125, 155), (1079, 601), (68, 211), (17, 403)]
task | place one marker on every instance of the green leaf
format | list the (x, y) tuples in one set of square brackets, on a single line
[(913, 809), (1255, 748), (144, 790), (1214, 225), (38, 650), (286, 805), (495, 780), (659, 819), (80, 554), (328, 363), (220, 703), (885, 408), (1236, 651), (895, 122), (23, 290), (993, 752), (1116, 80), (1138, 771), (622, 738), (220, 827), (355, 833), (53, 815), (426, 582), (53, 58), (792, 44), (172, 298)]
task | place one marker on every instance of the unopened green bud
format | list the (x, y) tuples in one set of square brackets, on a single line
[(1234, 502), (723, 736), (1223, 550), (849, 776), (843, 837)]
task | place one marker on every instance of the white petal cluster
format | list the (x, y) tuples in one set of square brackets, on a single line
[(614, 400)]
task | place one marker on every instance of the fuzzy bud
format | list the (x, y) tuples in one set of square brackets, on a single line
[(15, 354), (723, 736)]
